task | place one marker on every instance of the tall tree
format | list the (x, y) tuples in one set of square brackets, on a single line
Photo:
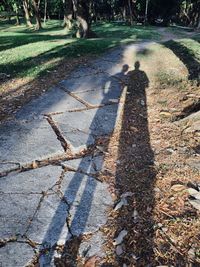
[(36, 8), (68, 11), (45, 11), (26, 12)]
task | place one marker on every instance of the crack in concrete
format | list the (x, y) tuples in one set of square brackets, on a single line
[(34, 260), (66, 146), (58, 161), (9, 162), (79, 170), (35, 213), (5, 241), (63, 198), (35, 164), (82, 109), (15, 239), (92, 107), (75, 96), (54, 161), (59, 181), (86, 91), (17, 193)]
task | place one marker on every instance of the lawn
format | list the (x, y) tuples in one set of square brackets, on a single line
[(187, 50), (27, 53)]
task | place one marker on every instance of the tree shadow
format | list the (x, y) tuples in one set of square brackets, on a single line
[(135, 173), (9, 41), (187, 57), (40, 64)]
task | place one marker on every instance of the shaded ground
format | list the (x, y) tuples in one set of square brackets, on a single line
[(156, 161), (103, 164), (31, 59)]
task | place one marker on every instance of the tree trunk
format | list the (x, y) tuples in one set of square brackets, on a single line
[(83, 32), (79, 11), (17, 15), (83, 19), (130, 12), (17, 18), (146, 12), (124, 13), (68, 10), (45, 11), (37, 15), (198, 26), (27, 15)]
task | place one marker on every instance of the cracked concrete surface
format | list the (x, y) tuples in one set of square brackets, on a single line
[(49, 166)]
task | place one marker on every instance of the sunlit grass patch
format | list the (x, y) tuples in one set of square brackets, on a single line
[(25, 52)]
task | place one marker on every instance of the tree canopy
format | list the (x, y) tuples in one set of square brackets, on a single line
[(82, 13)]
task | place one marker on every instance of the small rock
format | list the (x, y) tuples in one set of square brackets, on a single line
[(194, 185), (194, 193), (191, 253), (157, 190), (100, 148), (178, 187), (183, 150), (142, 102), (60, 243), (164, 229), (195, 203), (127, 194), (123, 202), (134, 257), (170, 151), (118, 240), (135, 215), (119, 250), (132, 128), (195, 164), (165, 114)]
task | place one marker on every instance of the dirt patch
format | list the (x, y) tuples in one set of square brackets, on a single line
[(151, 160), (155, 160)]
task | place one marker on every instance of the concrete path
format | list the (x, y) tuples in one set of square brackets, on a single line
[(50, 162)]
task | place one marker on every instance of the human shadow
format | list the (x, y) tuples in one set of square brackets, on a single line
[(136, 174), (82, 191)]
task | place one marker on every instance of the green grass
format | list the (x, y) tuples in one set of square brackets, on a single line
[(188, 51), (192, 46), (28, 53)]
